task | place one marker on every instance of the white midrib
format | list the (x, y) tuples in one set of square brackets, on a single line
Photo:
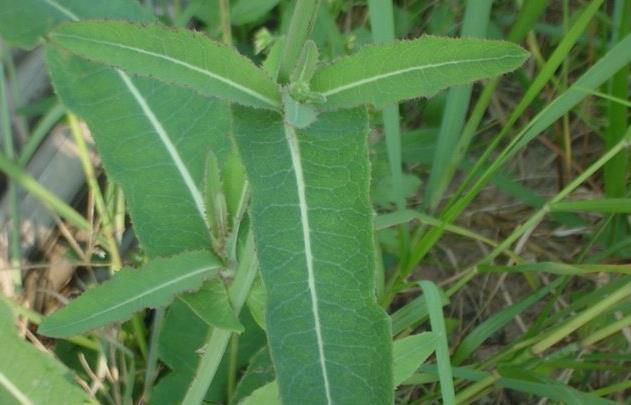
[(137, 297), (169, 146), (62, 10), (167, 58), (294, 150), (411, 69), (13, 390), (157, 125)]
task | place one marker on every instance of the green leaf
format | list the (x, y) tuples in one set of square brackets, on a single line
[(303, 18), (29, 376), (248, 11), (157, 51), (313, 224), (211, 305), (260, 371), (271, 64), (155, 284), (389, 73), (183, 334), (298, 114), (409, 353), (267, 394), (257, 300), (216, 206), (235, 187), (180, 346), (141, 124), (307, 63), (24, 22)]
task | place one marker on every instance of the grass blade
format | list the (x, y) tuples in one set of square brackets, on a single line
[(437, 321), (476, 19), (614, 178), (382, 27), (558, 268), (601, 205), (593, 78), (487, 328)]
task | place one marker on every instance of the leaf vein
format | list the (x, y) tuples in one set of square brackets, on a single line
[(187, 65), (412, 69), (170, 147), (294, 150), (62, 10), (136, 298)]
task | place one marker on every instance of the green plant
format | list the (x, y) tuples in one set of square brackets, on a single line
[(249, 186)]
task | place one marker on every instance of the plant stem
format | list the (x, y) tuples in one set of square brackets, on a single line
[(300, 27), (216, 345), (233, 368), (226, 28)]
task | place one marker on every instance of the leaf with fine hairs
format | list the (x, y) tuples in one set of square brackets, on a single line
[(389, 73), (24, 22), (153, 139), (313, 224), (212, 305), (131, 290), (182, 57), (29, 376)]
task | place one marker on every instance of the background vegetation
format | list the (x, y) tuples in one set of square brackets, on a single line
[(511, 195)]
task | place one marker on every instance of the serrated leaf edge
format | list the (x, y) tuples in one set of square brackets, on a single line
[(167, 58), (50, 331)]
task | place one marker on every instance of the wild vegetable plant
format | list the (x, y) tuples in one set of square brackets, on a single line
[(232, 169)]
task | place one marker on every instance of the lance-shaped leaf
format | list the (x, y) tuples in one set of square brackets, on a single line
[(28, 376), (24, 22), (153, 139), (312, 218), (130, 290), (384, 74), (182, 57)]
